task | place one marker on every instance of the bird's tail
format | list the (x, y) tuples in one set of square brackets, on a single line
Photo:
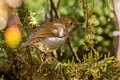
[(25, 44)]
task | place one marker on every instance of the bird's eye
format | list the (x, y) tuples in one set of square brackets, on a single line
[(71, 23)]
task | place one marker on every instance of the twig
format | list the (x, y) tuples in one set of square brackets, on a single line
[(87, 23), (51, 14), (85, 9), (54, 9), (29, 55), (58, 4), (31, 61), (73, 50), (76, 4), (37, 51), (47, 10), (83, 5), (41, 62)]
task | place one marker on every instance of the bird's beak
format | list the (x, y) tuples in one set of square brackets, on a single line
[(79, 23)]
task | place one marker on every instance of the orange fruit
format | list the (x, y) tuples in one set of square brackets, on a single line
[(12, 36)]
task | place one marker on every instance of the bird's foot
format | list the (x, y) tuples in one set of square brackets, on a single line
[(49, 54)]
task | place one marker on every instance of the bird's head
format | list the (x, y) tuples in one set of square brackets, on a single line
[(68, 21)]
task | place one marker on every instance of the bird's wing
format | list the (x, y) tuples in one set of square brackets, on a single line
[(43, 32), (28, 42)]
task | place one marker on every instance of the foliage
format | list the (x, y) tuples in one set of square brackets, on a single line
[(92, 41), (100, 19), (92, 68)]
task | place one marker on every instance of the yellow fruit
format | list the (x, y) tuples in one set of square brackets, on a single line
[(12, 36)]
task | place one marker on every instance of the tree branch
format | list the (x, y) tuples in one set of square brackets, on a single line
[(73, 50), (53, 8)]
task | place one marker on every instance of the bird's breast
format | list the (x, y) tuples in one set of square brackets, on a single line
[(51, 43), (54, 40)]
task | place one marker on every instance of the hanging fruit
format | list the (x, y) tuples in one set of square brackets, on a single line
[(12, 36)]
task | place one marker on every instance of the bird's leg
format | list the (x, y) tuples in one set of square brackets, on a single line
[(30, 58), (73, 50), (49, 54), (41, 61), (38, 55)]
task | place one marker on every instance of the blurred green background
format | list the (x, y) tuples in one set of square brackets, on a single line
[(101, 21), (98, 14), (94, 35)]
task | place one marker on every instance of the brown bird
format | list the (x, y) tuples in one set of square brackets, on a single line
[(51, 35)]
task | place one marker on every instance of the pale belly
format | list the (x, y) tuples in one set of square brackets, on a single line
[(50, 44)]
